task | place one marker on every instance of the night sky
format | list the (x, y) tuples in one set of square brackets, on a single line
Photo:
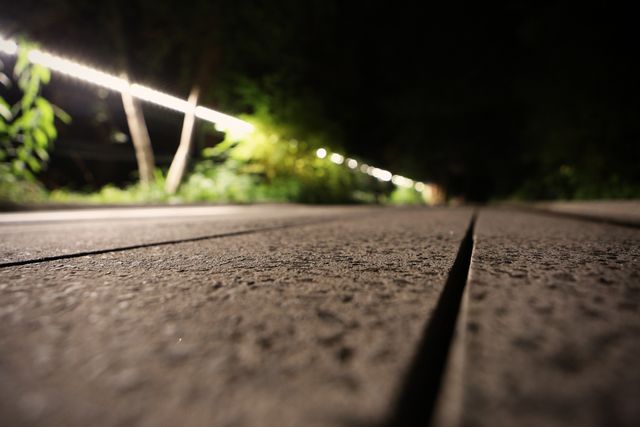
[(489, 99)]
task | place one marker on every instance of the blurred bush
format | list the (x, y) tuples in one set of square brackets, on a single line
[(270, 164), (405, 196)]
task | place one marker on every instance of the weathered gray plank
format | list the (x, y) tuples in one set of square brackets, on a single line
[(303, 326), (626, 211), (550, 335), (33, 235)]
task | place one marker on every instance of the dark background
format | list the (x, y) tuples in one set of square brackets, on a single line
[(489, 99)]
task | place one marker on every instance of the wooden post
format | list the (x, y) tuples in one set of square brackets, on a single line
[(179, 163), (139, 136)]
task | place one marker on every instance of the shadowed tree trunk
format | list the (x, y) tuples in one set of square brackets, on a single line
[(135, 118), (181, 158), (139, 136)]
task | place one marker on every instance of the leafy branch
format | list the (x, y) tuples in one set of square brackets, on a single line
[(27, 128)]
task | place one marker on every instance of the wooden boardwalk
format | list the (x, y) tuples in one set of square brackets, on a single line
[(320, 316)]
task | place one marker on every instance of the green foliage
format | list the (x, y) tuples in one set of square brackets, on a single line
[(268, 165), (137, 193), (209, 182), (405, 196), (274, 163), (27, 128), (20, 191), (271, 163)]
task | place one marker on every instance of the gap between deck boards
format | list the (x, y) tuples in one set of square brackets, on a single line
[(172, 242), (419, 392)]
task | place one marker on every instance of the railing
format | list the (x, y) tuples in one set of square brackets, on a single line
[(222, 122)]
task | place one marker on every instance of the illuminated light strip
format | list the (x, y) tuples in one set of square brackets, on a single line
[(78, 71), (401, 181), (380, 174), (162, 99), (223, 122)]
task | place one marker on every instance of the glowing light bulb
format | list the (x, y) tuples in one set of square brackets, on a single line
[(381, 174), (402, 181), (321, 153), (8, 47), (336, 158)]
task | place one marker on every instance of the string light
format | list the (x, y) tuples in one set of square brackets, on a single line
[(78, 71), (380, 174), (8, 47), (162, 99), (402, 181), (223, 122), (336, 158), (321, 153)]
